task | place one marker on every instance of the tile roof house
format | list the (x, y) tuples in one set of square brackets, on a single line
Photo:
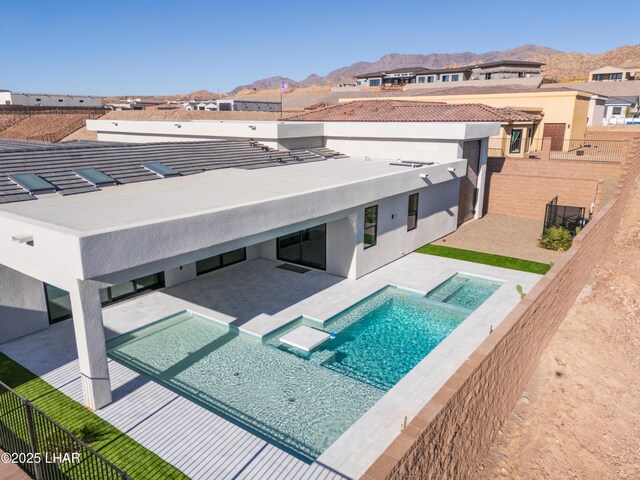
[(409, 111)]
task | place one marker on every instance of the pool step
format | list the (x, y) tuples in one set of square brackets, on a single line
[(350, 372), (446, 289)]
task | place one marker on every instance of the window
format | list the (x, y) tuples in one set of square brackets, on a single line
[(616, 76), (161, 169), (370, 226), (58, 303), (95, 176), (420, 79), (60, 100), (210, 264), (307, 247), (616, 111), (38, 99), (431, 79), (516, 140), (81, 101), (412, 212), (374, 82), (598, 77), (32, 183), (455, 78), (445, 78), (125, 290)]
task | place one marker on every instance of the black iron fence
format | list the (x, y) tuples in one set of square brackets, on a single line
[(569, 217), (589, 150), (43, 448)]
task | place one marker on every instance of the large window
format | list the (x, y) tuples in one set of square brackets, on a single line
[(616, 111), (370, 226), (307, 247), (445, 78), (219, 261), (431, 79), (59, 301), (515, 145), (420, 79), (412, 212), (374, 82), (455, 78), (124, 290)]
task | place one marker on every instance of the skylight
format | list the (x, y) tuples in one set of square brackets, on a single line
[(95, 177), (32, 183), (161, 169)]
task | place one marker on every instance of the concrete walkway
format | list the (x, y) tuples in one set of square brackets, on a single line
[(502, 235)]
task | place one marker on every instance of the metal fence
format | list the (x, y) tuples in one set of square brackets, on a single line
[(608, 151), (501, 147), (611, 151), (569, 217), (43, 448)]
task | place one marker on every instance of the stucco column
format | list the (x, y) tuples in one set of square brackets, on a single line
[(90, 342), (482, 177)]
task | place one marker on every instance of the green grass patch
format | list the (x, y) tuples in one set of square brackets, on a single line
[(486, 258), (111, 443)]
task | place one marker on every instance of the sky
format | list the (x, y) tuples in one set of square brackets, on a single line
[(141, 47)]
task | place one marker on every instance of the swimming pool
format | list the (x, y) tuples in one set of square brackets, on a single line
[(301, 401)]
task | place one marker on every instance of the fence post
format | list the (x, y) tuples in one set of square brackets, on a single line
[(33, 438)]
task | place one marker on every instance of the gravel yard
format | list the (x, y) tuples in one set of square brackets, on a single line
[(503, 235)]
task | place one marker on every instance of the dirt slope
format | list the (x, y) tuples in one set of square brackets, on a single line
[(580, 418)]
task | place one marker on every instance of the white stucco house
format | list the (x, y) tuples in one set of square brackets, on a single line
[(107, 221)]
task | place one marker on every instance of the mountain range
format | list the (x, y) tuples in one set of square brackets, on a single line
[(560, 66)]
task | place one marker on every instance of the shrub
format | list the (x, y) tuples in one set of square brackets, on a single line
[(556, 238)]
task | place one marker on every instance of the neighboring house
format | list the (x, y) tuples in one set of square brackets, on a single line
[(564, 113), (208, 105), (48, 100), (617, 109), (248, 106), (614, 74), (505, 69), (109, 221)]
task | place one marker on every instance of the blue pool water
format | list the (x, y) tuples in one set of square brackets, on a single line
[(301, 402)]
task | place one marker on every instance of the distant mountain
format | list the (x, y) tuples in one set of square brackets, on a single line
[(396, 60)]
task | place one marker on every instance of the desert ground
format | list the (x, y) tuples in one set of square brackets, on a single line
[(580, 415)]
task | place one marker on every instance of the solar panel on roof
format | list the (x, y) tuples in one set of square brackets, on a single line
[(33, 183), (95, 177), (161, 169)]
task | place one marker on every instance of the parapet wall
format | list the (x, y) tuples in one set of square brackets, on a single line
[(455, 429)]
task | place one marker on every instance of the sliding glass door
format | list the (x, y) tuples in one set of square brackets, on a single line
[(307, 247)]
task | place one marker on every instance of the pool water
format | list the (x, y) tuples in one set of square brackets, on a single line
[(301, 402)]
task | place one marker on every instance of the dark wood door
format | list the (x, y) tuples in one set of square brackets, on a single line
[(468, 183), (555, 131)]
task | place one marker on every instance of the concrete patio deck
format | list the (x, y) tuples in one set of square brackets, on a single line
[(258, 298)]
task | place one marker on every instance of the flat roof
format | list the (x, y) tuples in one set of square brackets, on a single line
[(123, 206), (124, 161)]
